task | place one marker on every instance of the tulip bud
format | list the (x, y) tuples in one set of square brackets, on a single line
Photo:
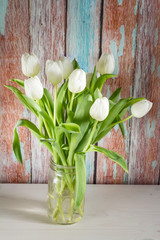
[(30, 65), (54, 71), (100, 109), (77, 81), (33, 88), (67, 67), (106, 64), (88, 79), (141, 108)]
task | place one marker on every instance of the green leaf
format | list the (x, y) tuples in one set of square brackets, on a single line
[(18, 81), (116, 109), (121, 125), (80, 179), (49, 100), (71, 127), (50, 140), (60, 103), (34, 130), (16, 147), (82, 118), (93, 80), (101, 80), (110, 154), (23, 99), (97, 94), (75, 64), (115, 95)]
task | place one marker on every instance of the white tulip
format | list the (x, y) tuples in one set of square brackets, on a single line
[(30, 65), (141, 108), (67, 67), (100, 109), (106, 64), (88, 79), (33, 88), (77, 81), (54, 71)]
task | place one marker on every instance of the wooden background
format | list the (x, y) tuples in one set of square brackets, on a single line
[(130, 29)]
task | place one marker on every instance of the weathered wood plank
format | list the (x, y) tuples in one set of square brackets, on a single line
[(118, 37), (47, 30), (83, 43), (145, 152), (14, 40)]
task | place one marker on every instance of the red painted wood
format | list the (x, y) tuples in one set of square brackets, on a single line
[(13, 43), (144, 151), (119, 22), (47, 41)]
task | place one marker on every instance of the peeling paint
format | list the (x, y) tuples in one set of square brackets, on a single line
[(134, 33), (120, 2), (25, 113), (114, 170), (3, 11), (125, 178), (89, 167), (116, 128), (118, 52), (156, 37), (113, 49), (122, 41), (108, 92), (136, 7), (105, 167), (27, 167), (153, 64), (159, 71), (154, 163), (151, 128)]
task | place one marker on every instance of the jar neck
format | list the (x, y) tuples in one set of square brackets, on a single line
[(61, 168)]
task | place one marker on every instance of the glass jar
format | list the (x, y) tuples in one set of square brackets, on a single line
[(61, 195)]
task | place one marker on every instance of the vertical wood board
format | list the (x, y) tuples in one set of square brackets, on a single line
[(83, 43)]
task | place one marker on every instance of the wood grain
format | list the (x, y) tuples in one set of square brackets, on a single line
[(144, 151), (47, 41), (83, 43), (118, 37), (14, 40)]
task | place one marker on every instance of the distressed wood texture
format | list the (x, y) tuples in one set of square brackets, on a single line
[(14, 40), (83, 42), (118, 37), (47, 41), (145, 151), (83, 29)]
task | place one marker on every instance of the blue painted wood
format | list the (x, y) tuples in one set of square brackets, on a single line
[(83, 43)]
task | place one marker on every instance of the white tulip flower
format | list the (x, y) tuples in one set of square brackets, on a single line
[(106, 64), (30, 65), (141, 108), (100, 109), (33, 88), (54, 71), (77, 81), (67, 67), (88, 79)]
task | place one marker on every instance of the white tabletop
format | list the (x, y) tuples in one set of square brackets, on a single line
[(112, 212)]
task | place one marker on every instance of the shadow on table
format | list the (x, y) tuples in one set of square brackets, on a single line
[(27, 209)]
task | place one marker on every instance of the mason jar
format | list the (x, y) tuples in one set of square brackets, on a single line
[(61, 195)]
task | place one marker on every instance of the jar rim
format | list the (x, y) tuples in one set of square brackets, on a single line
[(60, 167)]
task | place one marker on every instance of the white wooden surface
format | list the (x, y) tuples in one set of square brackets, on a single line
[(112, 212)]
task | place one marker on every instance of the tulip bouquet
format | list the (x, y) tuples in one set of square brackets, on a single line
[(78, 117)]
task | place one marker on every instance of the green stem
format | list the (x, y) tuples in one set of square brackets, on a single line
[(91, 136), (71, 103), (112, 125), (55, 99)]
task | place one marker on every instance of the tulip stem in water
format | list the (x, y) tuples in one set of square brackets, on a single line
[(91, 136), (55, 99), (125, 119), (71, 104)]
